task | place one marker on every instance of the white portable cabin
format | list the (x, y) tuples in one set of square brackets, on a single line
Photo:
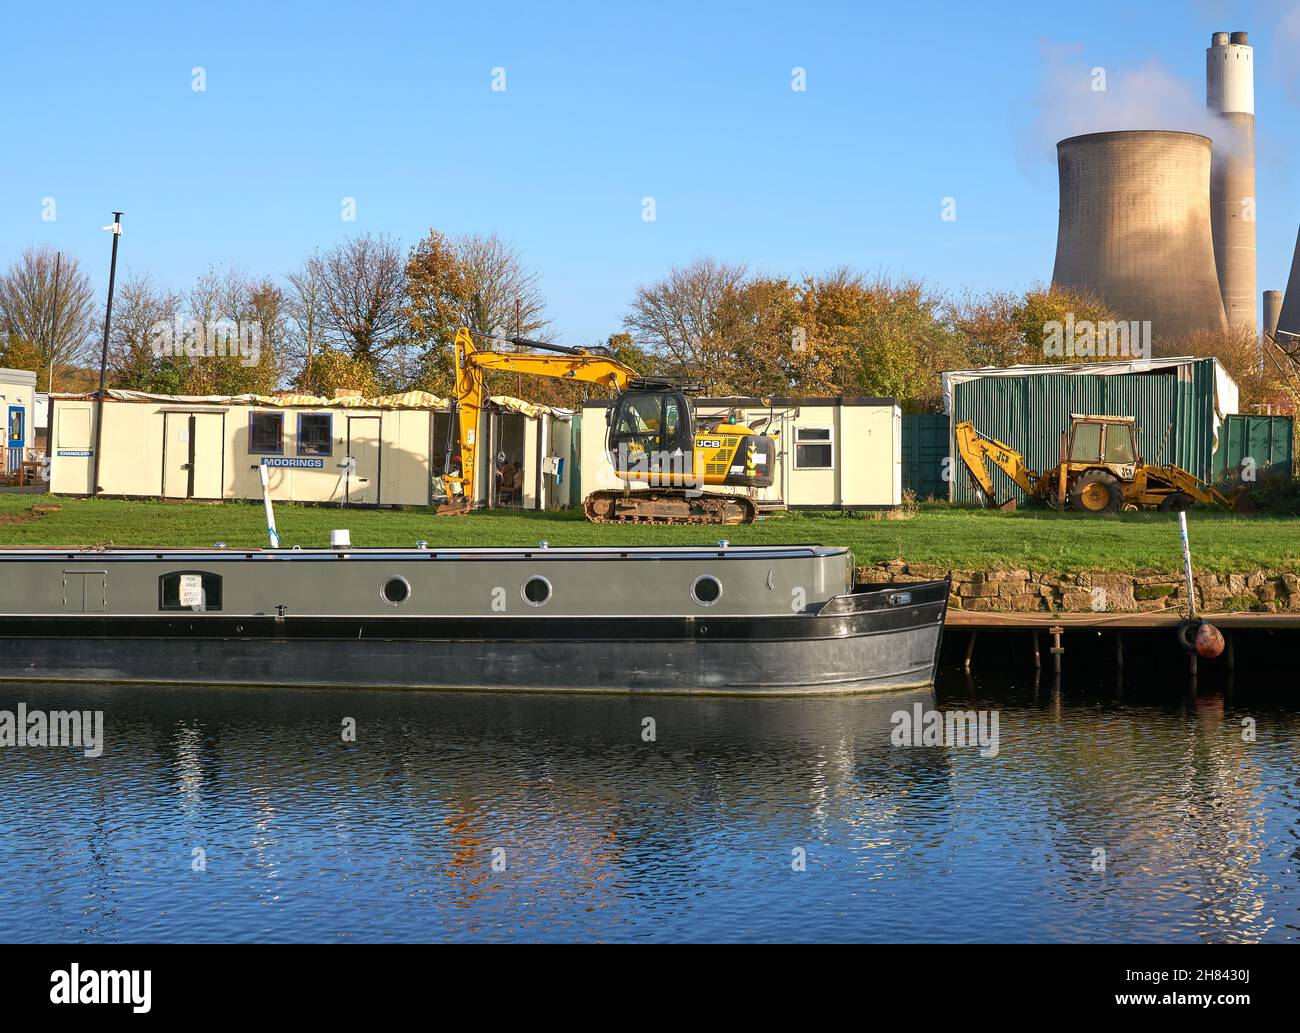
[(18, 410), (836, 453), (353, 451)]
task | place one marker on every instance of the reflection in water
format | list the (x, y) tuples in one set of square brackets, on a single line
[(545, 817)]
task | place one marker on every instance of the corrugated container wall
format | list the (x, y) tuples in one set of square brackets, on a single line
[(1174, 408), (925, 455), (1267, 441)]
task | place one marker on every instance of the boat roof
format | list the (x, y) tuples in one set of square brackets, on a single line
[(527, 551)]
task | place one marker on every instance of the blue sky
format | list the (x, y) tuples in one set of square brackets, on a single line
[(605, 104)]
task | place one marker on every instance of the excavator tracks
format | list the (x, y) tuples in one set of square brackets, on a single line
[(668, 507)]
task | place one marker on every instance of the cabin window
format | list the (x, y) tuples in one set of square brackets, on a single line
[(814, 448), (315, 434), (1087, 443), (195, 590), (266, 433), (1119, 444)]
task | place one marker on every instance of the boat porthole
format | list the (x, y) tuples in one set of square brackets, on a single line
[(396, 591), (536, 591), (706, 589)]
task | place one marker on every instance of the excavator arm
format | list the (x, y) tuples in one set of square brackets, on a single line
[(974, 449), (473, 362)]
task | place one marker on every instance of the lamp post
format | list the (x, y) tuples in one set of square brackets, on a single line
[(116, 230)]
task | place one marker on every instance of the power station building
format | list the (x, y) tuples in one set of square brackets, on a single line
[(1161, 224)]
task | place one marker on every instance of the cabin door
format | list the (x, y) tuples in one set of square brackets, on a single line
[(193, 453), (363, 460), (178, 455), (16, 437), (208, 456)]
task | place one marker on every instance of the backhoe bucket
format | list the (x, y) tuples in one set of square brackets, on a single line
[(1242, 503), (1009, 506)]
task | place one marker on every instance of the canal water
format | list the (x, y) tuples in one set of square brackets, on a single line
[(243, 814)]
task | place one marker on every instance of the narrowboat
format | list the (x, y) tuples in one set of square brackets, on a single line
[(716, 619)]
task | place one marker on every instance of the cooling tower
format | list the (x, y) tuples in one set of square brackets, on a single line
[(1230, 93), (1288, 320), (1272, 309), (1135, 227)]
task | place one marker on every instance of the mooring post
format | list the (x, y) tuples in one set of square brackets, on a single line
[(970, 648), (1038, 659), (1057, 648), (1232, 655), (1119, 650), (1187, 565)]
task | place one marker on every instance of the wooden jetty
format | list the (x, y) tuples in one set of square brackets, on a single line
[(1056, 626)]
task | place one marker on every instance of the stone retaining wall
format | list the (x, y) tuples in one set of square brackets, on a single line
[(1098, 591)]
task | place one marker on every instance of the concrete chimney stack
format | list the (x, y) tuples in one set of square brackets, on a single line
[(1230, 93), (1272, 310)]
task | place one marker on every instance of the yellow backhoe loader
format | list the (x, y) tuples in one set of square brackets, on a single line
[(1100, 471), (657, 448)]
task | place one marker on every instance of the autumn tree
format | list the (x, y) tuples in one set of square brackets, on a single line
[(1264, 379), (475, 281), (47, 315), (330, 370), (436, 293), (1003, 328)]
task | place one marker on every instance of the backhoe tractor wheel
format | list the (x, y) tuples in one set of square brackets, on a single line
[(1175, 503), (1096, 492)]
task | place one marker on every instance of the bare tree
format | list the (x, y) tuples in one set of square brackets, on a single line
[(499, 293), (203, 300), (47, 302), (235, 299), (681, 317), (363, 283), (304, 307), (143, 324)]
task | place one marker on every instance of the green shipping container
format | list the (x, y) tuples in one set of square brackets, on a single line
[(1173, 405), (925, 455), (1266, 441)]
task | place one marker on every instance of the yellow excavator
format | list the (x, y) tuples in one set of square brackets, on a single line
[(658, 450), (1100, 471)]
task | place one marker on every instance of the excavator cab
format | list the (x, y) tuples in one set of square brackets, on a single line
[(650, 433)]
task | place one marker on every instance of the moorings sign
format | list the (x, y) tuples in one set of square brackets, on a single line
[(293, 463)]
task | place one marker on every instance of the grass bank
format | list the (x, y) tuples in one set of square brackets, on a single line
[(945, 536)]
